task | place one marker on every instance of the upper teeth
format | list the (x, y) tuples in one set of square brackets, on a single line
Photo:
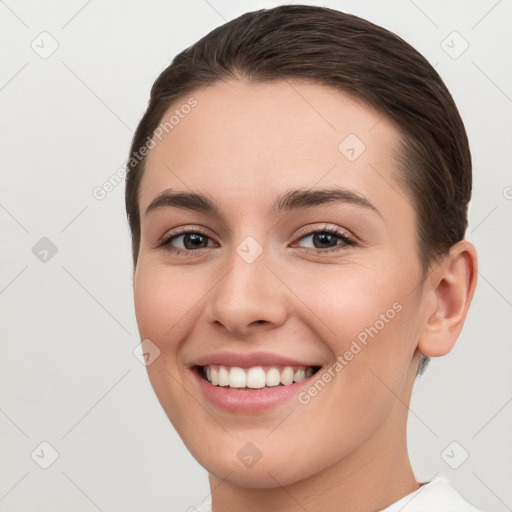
[(255, 377)]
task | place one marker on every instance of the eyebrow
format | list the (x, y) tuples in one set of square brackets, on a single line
[(285, 202)]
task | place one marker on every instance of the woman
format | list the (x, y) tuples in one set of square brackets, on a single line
[(297, 195)]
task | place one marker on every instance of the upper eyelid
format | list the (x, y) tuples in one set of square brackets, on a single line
[(303, 231), (325, 227)]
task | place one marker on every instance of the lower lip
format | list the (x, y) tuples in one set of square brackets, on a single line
[(249, 401)]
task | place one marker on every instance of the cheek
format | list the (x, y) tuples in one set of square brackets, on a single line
[(369, 320), (162, 308), (164, 300), (349, 300), (150, 298)]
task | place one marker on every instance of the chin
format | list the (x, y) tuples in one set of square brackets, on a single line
[(274, 467), (263, 475)]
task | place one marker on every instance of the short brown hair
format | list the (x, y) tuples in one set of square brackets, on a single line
[(351, 54)]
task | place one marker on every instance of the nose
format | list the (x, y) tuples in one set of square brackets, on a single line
[(250, 296)]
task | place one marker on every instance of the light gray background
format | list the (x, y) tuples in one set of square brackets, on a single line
[(68, 373)]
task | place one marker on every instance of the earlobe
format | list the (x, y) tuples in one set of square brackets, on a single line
[(452, 286)]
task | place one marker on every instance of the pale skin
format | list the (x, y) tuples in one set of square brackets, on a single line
[(243, 145)]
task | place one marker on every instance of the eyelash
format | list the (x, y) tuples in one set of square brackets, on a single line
[(342, 235)]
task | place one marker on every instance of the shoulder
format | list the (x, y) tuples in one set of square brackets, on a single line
[(435, 496)]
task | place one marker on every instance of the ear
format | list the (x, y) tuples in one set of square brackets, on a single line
[(450, 289)]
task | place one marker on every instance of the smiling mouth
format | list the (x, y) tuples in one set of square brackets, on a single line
[(255, 377)]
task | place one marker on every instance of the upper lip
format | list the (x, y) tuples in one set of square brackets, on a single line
[(245, 360)]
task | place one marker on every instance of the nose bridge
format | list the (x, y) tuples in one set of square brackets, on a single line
[(249, 292)]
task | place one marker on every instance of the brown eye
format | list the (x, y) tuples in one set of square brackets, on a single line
[(328, 238), (185, 242), (190, 241)]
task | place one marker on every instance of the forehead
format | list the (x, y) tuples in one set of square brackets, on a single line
[(251, 140)]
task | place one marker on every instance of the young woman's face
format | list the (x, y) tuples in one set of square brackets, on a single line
[(261, 281)]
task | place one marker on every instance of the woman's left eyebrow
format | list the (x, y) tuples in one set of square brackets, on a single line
[(307, 198), (287, 201)]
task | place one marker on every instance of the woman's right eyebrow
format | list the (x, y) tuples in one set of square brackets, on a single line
[(285, 202), (186, 200)]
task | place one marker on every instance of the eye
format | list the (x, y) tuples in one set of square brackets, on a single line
[(324, 240), (328, 239), (184, 241)]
